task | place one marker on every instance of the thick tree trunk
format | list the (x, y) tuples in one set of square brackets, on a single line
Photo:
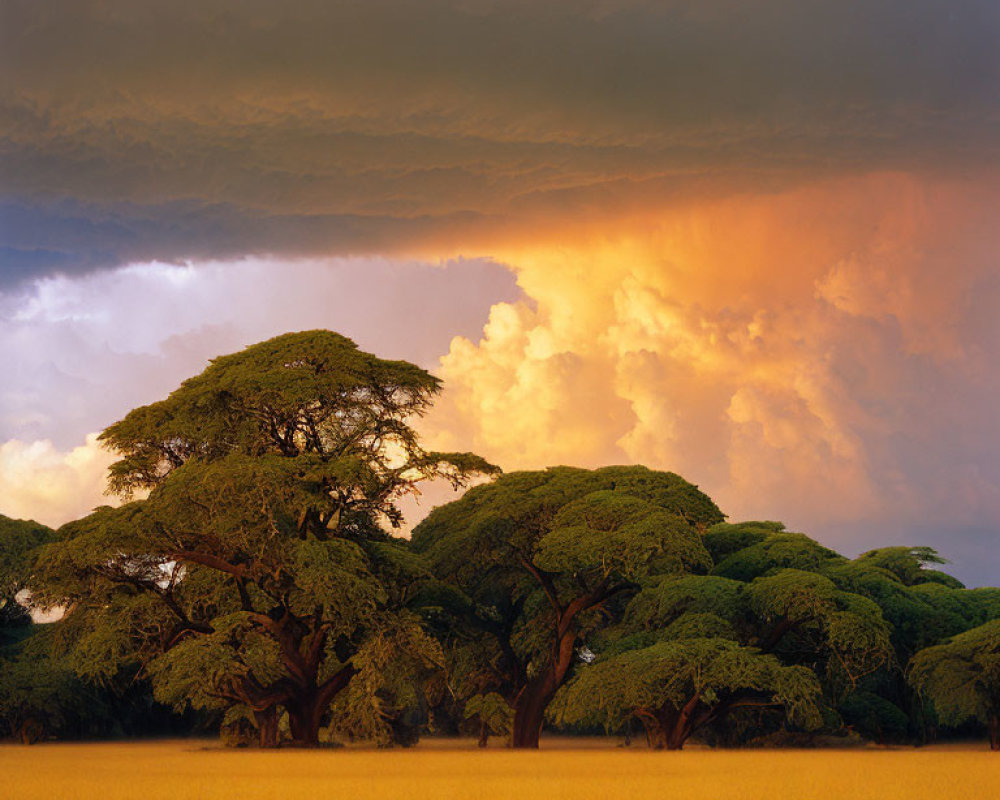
[(995, 732), (484, 734), (267, 726), (529, 713), (304, 718), (677, 736), (530, 705), (307, 707), (683, 724)]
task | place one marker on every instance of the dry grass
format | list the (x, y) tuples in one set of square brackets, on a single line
[(578, 770)]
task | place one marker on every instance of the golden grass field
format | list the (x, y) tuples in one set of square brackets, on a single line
[(456, 769)]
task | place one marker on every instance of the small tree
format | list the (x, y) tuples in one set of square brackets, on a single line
[(39, 695), (962, 678)]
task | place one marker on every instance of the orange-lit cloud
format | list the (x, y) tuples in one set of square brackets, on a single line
[(775, 348), (38, 481)]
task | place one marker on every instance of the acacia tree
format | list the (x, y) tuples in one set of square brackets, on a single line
[(962, 678), (923, 607), (544, 557), (19, 539), (692, 649), (677, 685), (258, 566)]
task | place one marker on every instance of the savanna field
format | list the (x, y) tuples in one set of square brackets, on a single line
[(456, 769)]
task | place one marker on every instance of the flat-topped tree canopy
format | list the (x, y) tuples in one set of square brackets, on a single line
[(560, 515), (673, 684), (538, 554), (691, 649), (961, 677)]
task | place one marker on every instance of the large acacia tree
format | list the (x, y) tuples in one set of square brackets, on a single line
[(259, 566), (543, 558)]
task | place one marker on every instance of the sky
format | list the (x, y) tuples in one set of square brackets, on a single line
[(752, 243)]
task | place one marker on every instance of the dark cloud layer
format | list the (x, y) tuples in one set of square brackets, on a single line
[(135, 131)]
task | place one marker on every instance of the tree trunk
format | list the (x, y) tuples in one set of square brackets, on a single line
[(677, 736), (484, 733), (530, 705), (995, 732), (304, 718), (307, 707), (683, 724), (529, 712), (667, 728), (267, 726), (31, 731)]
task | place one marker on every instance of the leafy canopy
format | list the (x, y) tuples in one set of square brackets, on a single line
[(258, 568), (962, 676)]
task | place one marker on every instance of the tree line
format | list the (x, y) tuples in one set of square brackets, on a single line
[(250, 583)]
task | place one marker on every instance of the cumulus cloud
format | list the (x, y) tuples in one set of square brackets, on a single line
[(822, 355), (39, 481)]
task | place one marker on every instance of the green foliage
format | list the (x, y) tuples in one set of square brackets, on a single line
[(607, 533), (492, 711), (396, 668), (962, 676), (792, 594), (909, 564), (724, 538), (492, 525), (205, 672), (258, 567), (670, 674), (846, 628), (661, 603), (19, 541), (309, 392), (921, 614), (699, 625), (874, 717), (39, 694), (547, 558), (776, 551)]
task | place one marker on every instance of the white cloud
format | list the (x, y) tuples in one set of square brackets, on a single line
[(38, 481), (78, 353)]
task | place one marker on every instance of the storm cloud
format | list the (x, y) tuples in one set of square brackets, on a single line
[(142, 131), (754, 243)]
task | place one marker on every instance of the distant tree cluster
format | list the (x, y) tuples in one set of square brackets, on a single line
[(251, 584)]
